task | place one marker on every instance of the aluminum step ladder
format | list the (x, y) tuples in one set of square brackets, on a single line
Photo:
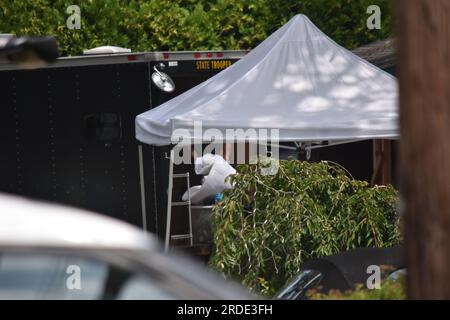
[(171, 204)]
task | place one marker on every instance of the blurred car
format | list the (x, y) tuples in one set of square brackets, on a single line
[(50, 251), (343, 271)]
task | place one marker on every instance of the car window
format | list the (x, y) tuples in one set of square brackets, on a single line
[(65, 276)]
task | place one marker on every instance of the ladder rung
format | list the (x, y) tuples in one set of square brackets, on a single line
[(181, 175), (181, 203), (180, 236)]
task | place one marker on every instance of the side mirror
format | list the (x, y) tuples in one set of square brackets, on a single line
[(29, 52), (397, 274), (296, 289)]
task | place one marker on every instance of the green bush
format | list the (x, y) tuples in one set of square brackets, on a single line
[(148, 25), (304, 211)]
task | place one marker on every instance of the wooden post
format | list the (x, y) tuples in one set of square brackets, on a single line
[(423, 30), (382, 174)]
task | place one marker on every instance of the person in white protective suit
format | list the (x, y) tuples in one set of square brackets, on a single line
[(216, 170)]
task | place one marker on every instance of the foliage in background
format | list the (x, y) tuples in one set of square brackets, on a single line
[(146, 25), (390, 290), (304, 211)]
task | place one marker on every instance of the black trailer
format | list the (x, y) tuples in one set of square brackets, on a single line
[(67, 131)]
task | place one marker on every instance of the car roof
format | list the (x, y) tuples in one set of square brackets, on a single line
[(345, 269), (26, 222)]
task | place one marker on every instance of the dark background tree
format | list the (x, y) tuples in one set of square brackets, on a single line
[(424, 64), (146, 25)]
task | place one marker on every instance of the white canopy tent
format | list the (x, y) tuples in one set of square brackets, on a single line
[(298, 81)]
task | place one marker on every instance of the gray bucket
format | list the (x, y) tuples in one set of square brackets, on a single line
[(201, 224)]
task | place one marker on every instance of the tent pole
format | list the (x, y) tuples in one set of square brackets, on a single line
[(169, 203), (142, 185)]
